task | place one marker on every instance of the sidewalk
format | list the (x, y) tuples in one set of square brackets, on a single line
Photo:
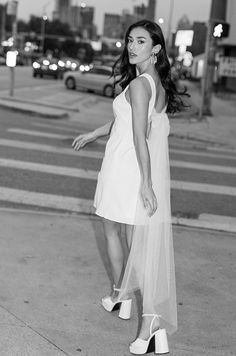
[(220, 129), (54, 272)]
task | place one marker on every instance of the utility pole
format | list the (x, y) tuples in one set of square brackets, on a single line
[(3, 22), (217, 12), (168, 36), (12, 11)]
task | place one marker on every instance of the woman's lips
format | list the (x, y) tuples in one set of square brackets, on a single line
[(132, 55)]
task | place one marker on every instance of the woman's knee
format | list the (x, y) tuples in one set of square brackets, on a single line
[(112, 228)]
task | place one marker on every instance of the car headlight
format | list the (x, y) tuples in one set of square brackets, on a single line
[(53, 66), (36, 65), (46, 62), (61, 64), (82, 68), (73, 65)]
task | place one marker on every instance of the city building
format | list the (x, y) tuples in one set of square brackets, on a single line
[(151, 10), (63, 11), (112, 26), (227, 45)]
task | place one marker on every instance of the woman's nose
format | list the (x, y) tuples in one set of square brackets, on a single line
[(131, 45)]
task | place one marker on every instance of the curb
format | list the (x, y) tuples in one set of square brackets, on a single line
[(39, 103), (85, 207), (34, 111), (208, 224)]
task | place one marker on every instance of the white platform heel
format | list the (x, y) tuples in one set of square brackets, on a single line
[(140, 346), (124, 305)]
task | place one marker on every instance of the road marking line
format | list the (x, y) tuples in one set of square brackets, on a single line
[(37, 133), (46, 200), (48, 135), (103, 142), (50, 149), (95, 154), (201, 154), (47, 168), (203, 167), (203, 188), (91, 174)]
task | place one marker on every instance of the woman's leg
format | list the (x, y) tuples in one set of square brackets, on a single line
[(114, 248), (129, 233)]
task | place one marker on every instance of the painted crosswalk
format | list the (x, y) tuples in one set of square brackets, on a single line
[(91, 174), (19, 142)]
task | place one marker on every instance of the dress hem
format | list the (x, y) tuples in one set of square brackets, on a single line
[(115, 219)]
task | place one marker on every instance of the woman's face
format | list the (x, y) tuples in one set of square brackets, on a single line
[(139, 45)]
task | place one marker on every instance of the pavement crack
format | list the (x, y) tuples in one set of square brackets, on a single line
[(34, 330)]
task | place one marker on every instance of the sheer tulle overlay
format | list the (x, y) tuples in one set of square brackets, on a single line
[(150, 266)]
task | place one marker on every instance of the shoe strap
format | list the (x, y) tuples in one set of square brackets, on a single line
[(155, 316), (116, 289)]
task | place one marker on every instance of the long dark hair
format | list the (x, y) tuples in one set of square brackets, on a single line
[(127, 71)]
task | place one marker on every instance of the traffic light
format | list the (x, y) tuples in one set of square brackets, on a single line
[(220, 29)]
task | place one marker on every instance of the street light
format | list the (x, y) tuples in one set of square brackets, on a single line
[(43, 23)]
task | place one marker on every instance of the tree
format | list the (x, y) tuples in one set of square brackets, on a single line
[(184, 23)]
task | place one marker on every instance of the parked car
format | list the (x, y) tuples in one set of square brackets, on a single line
[(97, 79), (45, 66)]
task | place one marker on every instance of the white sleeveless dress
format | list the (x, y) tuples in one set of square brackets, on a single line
[(150, 266), (119, 178)]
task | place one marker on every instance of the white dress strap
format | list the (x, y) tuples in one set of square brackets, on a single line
[(153, 88)]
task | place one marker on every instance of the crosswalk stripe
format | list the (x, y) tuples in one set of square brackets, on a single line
[(90, 174), (37, 133), (46, 200), (203, 167), (94, 154), (203, 188), (50, 149), (48, 135), (47, 168), (202, 154), (99, 155), (103, 142)]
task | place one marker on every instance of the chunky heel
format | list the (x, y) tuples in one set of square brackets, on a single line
[(123, 304), (161, 342), (125, 309)]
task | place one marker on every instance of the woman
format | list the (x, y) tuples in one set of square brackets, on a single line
[(133, 186)]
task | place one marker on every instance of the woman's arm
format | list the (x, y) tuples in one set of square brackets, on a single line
[(140, 93), (82, 140)]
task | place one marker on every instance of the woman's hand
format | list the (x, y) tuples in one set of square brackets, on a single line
[(82, 140), (149, 199)]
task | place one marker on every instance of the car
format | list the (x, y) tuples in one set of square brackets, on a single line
[(70, 63), (48, 66), (97, 79)]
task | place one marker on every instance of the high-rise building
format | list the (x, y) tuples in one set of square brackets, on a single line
[(112, 26), (140, 12), (63, 11), (151, 9)]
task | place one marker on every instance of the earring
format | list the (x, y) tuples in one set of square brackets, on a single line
[(153, 58)]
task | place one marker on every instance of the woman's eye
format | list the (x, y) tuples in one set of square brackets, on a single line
[(140, 41), (129, 40)]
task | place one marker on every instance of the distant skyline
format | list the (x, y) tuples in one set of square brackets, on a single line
[(195, 10)]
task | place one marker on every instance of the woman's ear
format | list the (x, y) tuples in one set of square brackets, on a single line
[(156, 49)]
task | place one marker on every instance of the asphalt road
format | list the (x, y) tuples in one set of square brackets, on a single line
[(26, 165), (203, 179)]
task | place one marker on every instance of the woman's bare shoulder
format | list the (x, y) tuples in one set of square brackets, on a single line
[(140, 84)]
